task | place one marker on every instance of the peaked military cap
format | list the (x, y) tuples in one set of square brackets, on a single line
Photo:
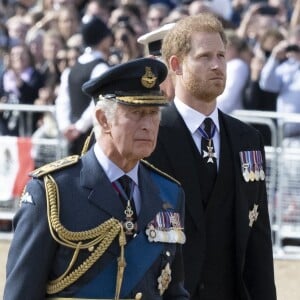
[(134, 83), (152, 41)]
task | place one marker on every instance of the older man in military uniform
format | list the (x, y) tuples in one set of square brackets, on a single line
[(106, 225)]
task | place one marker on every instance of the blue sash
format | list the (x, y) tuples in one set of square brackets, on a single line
[(139, 255)]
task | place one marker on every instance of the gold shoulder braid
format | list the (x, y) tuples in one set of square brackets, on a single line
[(55, 165), (147, 164), (87, 143), (102, 236)]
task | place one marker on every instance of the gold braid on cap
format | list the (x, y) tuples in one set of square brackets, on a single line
[(149, 99), (138, 99), (102, 236)]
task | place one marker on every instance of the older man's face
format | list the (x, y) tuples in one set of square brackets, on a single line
[(134, 131)]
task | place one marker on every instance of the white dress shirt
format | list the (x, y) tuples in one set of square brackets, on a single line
[(113, 173), (193, 120)]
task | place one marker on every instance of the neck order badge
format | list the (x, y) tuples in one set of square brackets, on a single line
[(126, 189), (207, 146)]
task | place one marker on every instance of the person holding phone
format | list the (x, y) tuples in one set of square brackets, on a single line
[(281, 74)]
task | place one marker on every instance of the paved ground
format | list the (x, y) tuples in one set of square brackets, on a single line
[(287, 275)]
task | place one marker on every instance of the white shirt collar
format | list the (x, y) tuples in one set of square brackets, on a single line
[(192, 118), (112, 171)]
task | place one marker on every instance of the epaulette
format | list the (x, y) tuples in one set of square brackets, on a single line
[(152, 167), (54, 166)]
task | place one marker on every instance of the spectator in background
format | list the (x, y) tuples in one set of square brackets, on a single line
[(130, 13), (256, 20), (17, 29), (73, 106), (98, 8), (72, 55), (35, 40), (255, 97), (125, 45), (222, 8), (176, 14), (53, 42), (68, 22), (238, 57), (62, 59), (4, 46), (198, 6), (19, 84), (156, 14), (281, 74)]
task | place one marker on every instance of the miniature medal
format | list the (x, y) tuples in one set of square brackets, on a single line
[(262, 175), (246, 174), (252, 176), (256, 166)]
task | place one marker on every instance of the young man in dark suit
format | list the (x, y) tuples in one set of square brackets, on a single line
[(104, 225), (220, 163)]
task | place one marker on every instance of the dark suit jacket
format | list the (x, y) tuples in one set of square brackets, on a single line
[(87, 199), (176, 154)]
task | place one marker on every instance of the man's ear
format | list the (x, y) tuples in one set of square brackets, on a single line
[(102, 120), (175, 65)]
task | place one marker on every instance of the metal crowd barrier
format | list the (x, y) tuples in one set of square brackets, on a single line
[(282, 173), (47, 144), (282, 179)]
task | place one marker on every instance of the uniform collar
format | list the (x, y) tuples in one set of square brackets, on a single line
[(112, 171)]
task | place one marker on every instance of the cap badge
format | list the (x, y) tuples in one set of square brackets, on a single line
[(148, 79)]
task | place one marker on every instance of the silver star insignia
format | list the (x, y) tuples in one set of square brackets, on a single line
[(210, 154), (253, 214)]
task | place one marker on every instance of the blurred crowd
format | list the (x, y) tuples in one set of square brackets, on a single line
[(41, 42)]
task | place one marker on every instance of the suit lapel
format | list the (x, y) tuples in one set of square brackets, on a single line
[(178, 143)]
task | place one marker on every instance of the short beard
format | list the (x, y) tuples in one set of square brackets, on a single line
[(201, 91)]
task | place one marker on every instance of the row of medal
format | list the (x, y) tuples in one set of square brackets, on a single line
[(166, 228), (252, 165)]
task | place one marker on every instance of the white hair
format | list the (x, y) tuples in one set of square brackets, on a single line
[(109, 108)]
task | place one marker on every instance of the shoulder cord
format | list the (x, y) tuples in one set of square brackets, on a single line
[(103, 234), (87, 143)]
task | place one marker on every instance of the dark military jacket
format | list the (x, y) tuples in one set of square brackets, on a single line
[(66, 202)]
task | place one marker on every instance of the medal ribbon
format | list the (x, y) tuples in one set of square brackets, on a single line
[(205, 135), (118, 187)]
